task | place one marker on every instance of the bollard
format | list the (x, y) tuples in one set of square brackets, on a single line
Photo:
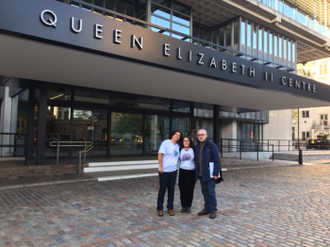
[(300, 157)]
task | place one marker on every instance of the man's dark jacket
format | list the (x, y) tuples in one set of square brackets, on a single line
[(210, 153)]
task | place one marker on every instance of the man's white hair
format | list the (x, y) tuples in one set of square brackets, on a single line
[(204, 130)]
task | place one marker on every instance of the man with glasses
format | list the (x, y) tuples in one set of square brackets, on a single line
[(206, 154)]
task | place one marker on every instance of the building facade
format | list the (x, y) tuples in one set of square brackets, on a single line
[(124, 74)]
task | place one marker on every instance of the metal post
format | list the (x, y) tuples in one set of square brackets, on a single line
[(298, 131), (58, 152), (257, 151), (300, 157), (272, 152), (79, 162), (240, 150)]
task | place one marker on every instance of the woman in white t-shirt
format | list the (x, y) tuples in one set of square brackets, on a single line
[(168, 155), (187, 178)]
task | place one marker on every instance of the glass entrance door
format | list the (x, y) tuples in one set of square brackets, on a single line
[(157, 129), (90, 125)]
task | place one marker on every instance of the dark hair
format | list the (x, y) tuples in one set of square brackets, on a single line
[(191, 144), (173, 133)]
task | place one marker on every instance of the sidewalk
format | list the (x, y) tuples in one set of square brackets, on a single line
[(227, 164), (282, 206)]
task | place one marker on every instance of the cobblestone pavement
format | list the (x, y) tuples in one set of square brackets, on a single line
[(275, 206)]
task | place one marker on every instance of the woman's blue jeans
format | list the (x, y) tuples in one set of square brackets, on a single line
[(166, 182)]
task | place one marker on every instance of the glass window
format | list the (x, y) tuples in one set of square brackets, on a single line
[(236, 32), (160, 21), (165, 13), (301, 18), (270, 44), (157, 129), (92, 96), (166, 3), (137, 101), (184, 20), (289, 50), (181, 106), (280, 44), (248, 34), (285, 43), (181, 124), (179, 7), (260, 39), (243, 36), (62, 95), (275, 45), (228, 35), (109, 4), (266, 44), (222, 37), (288, 10), (126, 136), (180, 28), (254, 37)]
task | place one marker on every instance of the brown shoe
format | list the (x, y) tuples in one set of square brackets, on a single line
[(203, 212), (171, 212), (160, 212), (213, 215)]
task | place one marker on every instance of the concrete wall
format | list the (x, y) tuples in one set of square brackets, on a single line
[(279, 126)]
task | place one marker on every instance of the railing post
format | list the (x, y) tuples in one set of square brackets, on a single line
[(221, 147), (58, 152), (79, 162), (257, 151), (279, 144), (272, 152), (240, 150), (268, 145)]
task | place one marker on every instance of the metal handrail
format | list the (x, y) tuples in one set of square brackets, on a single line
[(59, 144), (85, 150)]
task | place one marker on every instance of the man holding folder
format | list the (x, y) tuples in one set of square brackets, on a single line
[(206, 152)]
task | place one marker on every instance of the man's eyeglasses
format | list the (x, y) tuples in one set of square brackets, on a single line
[(201, 135)]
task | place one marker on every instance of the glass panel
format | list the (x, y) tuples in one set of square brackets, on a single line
[(184, 20), (180, 28), (109, 4), (126, 134), (181, 8), (266, 41), (120, 6), (58, 123), (90, 126), (64, 95), (243, 36), (166, 3), (99, 2), (228, 35), (248, 35), (157, 129), (181, 124), (236, 32), (135, 101), (160, 21), (204, 123), (181, 106), (92, 96), (162, 12)]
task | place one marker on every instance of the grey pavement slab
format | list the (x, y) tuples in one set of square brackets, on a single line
[(274, 206)]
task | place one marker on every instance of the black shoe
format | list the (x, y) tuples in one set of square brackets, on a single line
[(184, 210), (188, 210), (213, 215), (203, 212)]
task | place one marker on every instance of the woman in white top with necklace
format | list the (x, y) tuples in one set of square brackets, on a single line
[(187, 178)]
